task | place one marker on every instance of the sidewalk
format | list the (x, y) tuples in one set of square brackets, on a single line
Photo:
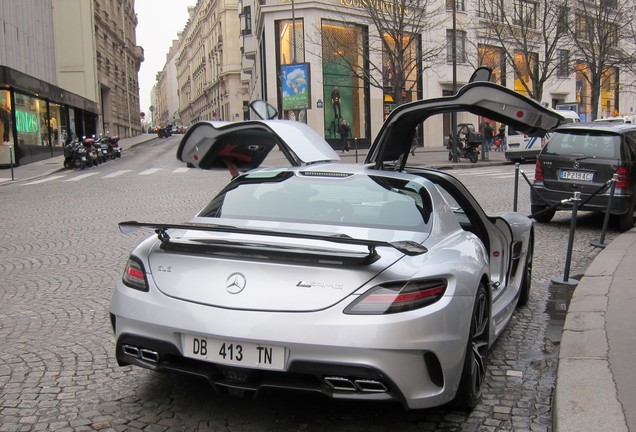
[(596, 383), (596, 386)]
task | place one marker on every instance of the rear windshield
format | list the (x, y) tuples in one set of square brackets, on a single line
[(364, 201), (584, 143)]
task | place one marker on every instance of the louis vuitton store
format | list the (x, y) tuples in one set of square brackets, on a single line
[(318, 59), (38, 118)]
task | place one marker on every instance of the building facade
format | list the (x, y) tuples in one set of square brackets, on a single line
[(118, 59), (39, 109), (301, 57), (208, 65)]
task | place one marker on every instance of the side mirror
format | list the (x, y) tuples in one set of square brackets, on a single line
[(263, 109)]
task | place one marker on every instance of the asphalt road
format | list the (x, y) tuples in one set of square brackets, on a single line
[(61, 251)]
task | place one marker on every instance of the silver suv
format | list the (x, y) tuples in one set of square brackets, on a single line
[(582, 157)]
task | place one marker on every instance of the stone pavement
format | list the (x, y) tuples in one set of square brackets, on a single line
[(596, 386)]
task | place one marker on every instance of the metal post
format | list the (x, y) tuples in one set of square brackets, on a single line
[(11, 161), (515, 196), (568, 258), (355, 147), (601, 243), (454, 54)]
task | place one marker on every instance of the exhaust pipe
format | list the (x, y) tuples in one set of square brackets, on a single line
[(340, 383), (370, 386), (141, 353)]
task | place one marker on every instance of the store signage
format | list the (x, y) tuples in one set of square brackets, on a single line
[(379, 5), (26, 122)]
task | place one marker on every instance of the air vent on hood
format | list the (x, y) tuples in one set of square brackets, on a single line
[(325, 174)]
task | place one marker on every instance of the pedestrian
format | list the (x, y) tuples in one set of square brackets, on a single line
[(489, 135), (502, 139), (344, 131)]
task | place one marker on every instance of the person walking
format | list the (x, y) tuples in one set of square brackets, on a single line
[(489, 135), (502, 139), (344, 131)]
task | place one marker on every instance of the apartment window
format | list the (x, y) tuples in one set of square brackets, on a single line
[(525, 14), (459, 5), (563, 21), (491, 10), (460, 42), (563, 63), (247, 16), (494, 58)]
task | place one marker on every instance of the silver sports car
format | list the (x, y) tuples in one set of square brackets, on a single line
[(374, 281)]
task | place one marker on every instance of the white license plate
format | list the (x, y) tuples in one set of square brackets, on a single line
[(576, 175), (234, 353)]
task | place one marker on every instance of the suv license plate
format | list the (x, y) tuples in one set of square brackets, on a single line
[(234, 353), (576, 175)]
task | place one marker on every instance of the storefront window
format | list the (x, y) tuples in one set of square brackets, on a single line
[(5, 118), (583, 91), (523, 83), (343, 90), (58, 123), (31, 120), (609, 90), (399, 80), (493, 58), (291, 49)]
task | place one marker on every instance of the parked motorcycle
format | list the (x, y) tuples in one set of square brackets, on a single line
[(114, 142), (92, 157), (468, 142), (74, 155)]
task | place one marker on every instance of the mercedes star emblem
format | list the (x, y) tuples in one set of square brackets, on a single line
[(235, 283)]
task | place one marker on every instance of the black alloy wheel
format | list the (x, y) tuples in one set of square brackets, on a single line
[(471, 385)]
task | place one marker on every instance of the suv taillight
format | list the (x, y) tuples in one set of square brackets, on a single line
[(623, 178), (538, 172)]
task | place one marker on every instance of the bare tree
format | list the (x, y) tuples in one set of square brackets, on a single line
[(532, 37), (596, 30), (393, 53)]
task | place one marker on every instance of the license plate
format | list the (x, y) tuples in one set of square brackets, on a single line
[(234, 353), (576, 175)]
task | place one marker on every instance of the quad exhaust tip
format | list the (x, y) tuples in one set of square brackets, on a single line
[(355, 385), (141, 353)]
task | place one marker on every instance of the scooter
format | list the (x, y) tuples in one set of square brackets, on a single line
[(468, 142), (74, 155)]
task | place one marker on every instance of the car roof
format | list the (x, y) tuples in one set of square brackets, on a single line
[(598, 126)]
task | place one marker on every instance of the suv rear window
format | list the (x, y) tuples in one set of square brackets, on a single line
[(585, 144)]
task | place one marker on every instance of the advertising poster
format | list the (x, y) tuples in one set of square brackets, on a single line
[(295, 81)]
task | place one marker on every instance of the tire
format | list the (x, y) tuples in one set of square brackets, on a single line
[(543, 217), (78, 164), (68, 163), (471, 384), (526, 281), (473, 157), (450, 155), (625, 221)]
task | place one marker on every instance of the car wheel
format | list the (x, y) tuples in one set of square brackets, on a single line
[(473, 377), (626, 221), (526, 281), (540, 215)]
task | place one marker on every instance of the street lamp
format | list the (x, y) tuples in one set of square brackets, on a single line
[(454, 55)]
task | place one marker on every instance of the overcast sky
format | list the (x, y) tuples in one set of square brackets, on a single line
[(158, 24)]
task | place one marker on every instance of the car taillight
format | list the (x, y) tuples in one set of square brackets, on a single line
[(623, 178), (134, 275), (398, 297), (538, 172)]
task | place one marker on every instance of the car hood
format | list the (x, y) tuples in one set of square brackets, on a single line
[(246, 144), (485, 99)]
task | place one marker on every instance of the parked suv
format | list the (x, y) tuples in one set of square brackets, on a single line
[(582, 157)]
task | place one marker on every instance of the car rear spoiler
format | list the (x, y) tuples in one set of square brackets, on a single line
[(407, 247)]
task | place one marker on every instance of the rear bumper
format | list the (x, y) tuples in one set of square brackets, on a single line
[(416, 360), (542, 196)]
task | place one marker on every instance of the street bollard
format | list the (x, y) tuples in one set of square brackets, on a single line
[(11, 161), (355, 146), (568, 258), (601, 243), (515, 195)]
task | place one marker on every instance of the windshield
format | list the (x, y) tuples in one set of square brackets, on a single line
[(344, 200), (584, 143)]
